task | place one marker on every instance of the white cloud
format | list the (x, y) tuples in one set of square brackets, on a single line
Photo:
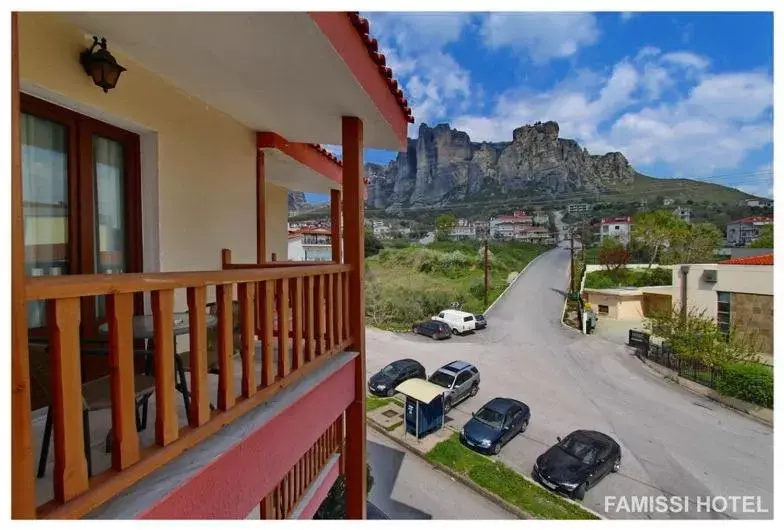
[(412, 32), (686, 60), (540, 36), (707, 122), (761, 184), (626, 16)]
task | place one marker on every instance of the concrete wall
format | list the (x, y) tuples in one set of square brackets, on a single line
[(621, 307), (198, 164)]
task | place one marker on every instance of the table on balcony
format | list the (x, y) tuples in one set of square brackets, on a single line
[(144, 329)]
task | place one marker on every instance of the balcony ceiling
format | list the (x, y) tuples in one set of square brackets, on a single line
[(284, 171), (270, 71)]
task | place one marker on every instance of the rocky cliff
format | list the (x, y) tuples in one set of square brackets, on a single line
[(443, 166), (297, 201)]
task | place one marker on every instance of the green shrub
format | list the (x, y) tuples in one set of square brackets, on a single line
[(749, 382)]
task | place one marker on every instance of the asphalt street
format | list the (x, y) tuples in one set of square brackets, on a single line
[(674, 443)]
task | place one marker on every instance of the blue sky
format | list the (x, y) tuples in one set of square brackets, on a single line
[(680, 94)]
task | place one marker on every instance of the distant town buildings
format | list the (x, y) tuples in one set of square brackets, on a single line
[(463, 229), (617, 227), (541, 218), (310, 244), (509, 226), (578, 208), (741, 232), (757, 203), (683, 213), (668, 202)]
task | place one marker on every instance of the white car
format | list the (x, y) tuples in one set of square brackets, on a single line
[(459, 322)]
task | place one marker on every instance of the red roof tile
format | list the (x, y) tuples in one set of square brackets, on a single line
[(328, 154), (363, 28), (754, 219), (764, 259)]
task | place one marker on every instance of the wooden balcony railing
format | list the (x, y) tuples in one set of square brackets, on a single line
[(302, 309)]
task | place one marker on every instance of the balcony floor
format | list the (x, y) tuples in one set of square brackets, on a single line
[(100, 424)]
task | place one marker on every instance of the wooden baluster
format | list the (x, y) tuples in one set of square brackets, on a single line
[(166, 424), (320, 308), (245, 296), (339, 334), (284, 367), (265, 293), (310, 315), (125, 449), (200, 401), (223, 294), (296, 316), (70, 466), (265, 507), (330, 311), (341, 447), (345, 305)]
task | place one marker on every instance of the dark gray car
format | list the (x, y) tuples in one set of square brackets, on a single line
[(460, 380)]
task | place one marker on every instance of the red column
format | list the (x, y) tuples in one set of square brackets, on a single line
[(261, 209), (354, 248), (335, 215)]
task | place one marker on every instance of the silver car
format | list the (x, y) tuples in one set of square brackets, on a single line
[(460, 379)]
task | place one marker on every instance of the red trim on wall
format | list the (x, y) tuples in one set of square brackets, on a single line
[(234, 483), (346, 40), (313, 156), (321, 493)]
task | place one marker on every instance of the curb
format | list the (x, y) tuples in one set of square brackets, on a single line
[(563, 310), (753, 412), (492, 497), (519, 274)]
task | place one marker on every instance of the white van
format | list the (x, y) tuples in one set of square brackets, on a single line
[(459, 321)]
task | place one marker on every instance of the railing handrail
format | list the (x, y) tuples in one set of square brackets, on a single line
[(79, 285), (273, 264)]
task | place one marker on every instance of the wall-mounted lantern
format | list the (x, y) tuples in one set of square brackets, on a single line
[(101, 65)]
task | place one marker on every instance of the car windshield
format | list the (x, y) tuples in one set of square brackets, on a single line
[(442, 379), (582, 450), (391, 370), (490, 417)]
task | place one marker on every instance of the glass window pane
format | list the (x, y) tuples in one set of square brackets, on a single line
[(45, 203), (724, 297), (110, 231)]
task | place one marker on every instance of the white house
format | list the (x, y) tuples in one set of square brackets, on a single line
[(741, 232), (683, 213), (617, 227), (578, 208), (463, 229), (541, 218), (509, 226)]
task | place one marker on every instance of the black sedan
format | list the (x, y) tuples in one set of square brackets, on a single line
[(497, 422), (384, 382), (577, 463), (481, 321), (433, 329)]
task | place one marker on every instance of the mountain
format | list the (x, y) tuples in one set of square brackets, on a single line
[(297, 202), (443, 167)]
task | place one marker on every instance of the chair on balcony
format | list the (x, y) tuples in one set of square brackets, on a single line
[(96, 396), (212, 340)]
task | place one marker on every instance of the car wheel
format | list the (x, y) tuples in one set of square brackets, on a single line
[(497, 448), (579, 493), (455, 332), (447, 404), (474, 390), (617, 465), (415, 330), (524, 426)]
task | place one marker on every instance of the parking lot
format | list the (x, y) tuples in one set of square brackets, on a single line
[(673, 442)]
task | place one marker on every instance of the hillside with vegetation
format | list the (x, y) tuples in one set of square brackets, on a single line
[(409, 284)]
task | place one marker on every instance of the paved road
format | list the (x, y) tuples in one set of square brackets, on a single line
[(406, 487), (674, 443)]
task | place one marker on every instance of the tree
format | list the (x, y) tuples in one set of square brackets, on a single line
[(765, 239), (444, 224), (697, 337), (334, 505), (692, 243), (372, 244), (653, 230), (612, 254)]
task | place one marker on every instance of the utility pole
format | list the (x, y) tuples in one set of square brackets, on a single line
[(487, 265), (571, 253)]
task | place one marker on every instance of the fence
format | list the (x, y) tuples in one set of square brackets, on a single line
[(663, 355)]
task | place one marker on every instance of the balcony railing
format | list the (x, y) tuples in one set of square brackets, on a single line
[(298, 313)]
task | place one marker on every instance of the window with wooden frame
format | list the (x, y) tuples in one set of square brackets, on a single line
[(81, 194)]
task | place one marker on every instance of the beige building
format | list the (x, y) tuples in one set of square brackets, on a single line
[(632, 303)]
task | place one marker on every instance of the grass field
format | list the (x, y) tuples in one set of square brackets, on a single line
[(406, 285)]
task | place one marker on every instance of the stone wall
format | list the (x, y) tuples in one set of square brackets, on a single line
[(754, 313)]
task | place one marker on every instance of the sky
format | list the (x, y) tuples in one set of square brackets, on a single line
[(680, 94)]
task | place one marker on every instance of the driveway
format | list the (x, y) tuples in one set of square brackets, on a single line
[(674, 442)]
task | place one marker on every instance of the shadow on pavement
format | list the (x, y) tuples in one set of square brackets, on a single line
[(385, 463)]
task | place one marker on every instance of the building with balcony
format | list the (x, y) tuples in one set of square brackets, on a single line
[(310, 244), (683, 213), (741, 232), (617, 227), (576, 208), (168, 360), (510, 226), (463, 229)]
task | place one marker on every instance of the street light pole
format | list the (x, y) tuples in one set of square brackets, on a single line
[(571, 257)]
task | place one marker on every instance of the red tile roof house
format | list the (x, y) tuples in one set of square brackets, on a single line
[(191, 128), (617, 227), (507, 226), (741, 232)]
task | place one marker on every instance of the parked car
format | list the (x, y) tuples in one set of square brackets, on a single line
[(460, 380), (497, 422), (481, 321), (384, 382), (459, 322), (433, 329), (577, 463)]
